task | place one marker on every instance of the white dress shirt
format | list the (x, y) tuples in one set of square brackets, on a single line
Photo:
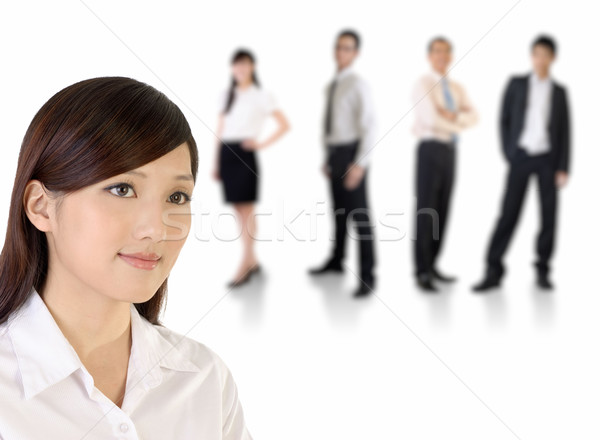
[(353, 116), (247, 115), (176, 387), (535, 138), (427, 96)]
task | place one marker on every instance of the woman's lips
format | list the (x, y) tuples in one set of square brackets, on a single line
[(141, 260)]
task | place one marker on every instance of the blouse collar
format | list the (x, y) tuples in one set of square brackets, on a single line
[(45, 356)]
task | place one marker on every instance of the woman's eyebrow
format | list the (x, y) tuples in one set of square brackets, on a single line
[(178, 177)]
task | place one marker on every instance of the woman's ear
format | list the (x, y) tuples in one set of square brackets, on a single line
[(36, 201)]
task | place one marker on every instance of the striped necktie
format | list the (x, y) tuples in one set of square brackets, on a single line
[(449, 101)]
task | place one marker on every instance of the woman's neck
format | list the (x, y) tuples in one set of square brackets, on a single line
[(98, 328), (89, 320), (244, 85)]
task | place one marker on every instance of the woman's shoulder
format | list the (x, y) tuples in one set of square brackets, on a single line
[(194, 351), (5, 342), (266, 98)]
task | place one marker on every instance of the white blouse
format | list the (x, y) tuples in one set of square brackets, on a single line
[(176, 387), (247, 114)]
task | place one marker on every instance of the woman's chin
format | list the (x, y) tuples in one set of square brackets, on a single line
[(136, 296)]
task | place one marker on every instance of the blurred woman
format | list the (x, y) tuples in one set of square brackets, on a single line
[(245, 107)]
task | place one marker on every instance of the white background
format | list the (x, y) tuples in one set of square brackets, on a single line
[(311, 362)]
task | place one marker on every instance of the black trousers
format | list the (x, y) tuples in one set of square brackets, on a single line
[(435, 179), (351, 205), (523, 166)]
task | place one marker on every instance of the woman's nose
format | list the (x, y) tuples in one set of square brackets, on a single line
[(149, 222)]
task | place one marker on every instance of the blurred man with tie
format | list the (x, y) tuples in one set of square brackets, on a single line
[(535, 141), (442, 110), (349, 137)]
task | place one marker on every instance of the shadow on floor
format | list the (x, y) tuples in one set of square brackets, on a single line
[(251, 295), (337, 295)]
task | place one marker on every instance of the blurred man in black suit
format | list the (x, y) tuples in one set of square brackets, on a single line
[(535, 140)]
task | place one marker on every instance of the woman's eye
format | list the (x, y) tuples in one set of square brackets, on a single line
[(122, 190), (179, 198)]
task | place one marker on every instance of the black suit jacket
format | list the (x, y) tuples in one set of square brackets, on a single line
[(512, 120)]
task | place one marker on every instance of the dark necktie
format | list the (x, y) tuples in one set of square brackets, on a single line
[(329, 108)]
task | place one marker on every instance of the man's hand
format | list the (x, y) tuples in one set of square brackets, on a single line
[(447, 114), (560, 178), (326, 171), (354, 176)]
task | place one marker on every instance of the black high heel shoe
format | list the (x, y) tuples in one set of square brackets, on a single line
[(255, 269), (245, 278)]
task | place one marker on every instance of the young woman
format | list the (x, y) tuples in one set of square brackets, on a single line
[(245, 106), (100, 209)]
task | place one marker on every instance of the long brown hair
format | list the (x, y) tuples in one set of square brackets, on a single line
[(86, 133)]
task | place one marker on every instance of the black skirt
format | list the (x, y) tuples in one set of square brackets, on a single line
[(239, 173)]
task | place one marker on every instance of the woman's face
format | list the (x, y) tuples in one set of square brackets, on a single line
[(121, 237), (242, 71)]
